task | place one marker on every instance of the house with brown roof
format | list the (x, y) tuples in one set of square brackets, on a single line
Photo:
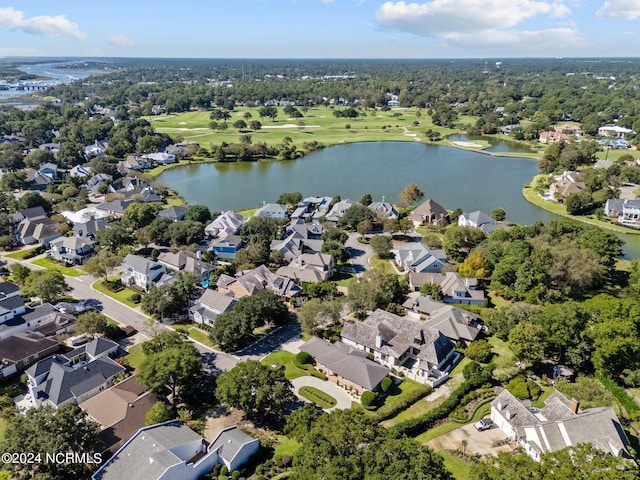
[(309, 267), (403, 344), (559, 424), (120, 410), (251, 281), (20, 351), (454, 288), (429, 212)]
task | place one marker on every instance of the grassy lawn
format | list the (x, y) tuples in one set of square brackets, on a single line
[(398, 395), (318, 124), (3, 427), (286, 446), (532, 197), (291, 370), (459, 367), (161, 168), (500, 348), (173, 201), (415, 410), (48, 264), (497, 300), (135, 356), (318, 397), (199, 336), (539, 403), (122, 296), (380, 265), (460, 470), (437, 431), (342, 279), (20, 255), (248, 212)]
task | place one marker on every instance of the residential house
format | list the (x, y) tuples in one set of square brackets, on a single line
[(226, 247), (90, 228), (37, 181), (384, 210), (309, 267), (75, 376), (96, 149), (120, 411), (405, 345), (174, 213), (551, 136), (312, 207), (49, 170), (36, 231), (133, 163), (211, 303), (559, 424), (347, 366), (23, 349), (454, 288), (454, 323), (171, 450), (272, 210), (299, 237), (627, 212), (79, 171), (480, 220), (114, 208), (227, 223), (127, 185), (72, 250), (291, 247), (33, 213), (338, 209), (415, 257), (251, 281), (16, 317), (564, 188), (141, 272), (190, 262), (96, 181), (160, 158), (54, 148), (429, 212), (615, 131)]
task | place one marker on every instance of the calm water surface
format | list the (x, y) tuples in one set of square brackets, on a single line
[(454, 178)]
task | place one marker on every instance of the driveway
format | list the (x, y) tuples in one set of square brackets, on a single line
[(359, 254), (343, 399), (480, 443)]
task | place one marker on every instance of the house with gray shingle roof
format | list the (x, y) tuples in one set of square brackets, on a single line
[(384, 210), (558, 425), (406, 345), (251, 281), (72, 250), (211, 304), (141, 272), (227, 223), (455, 289), (415, 257), (171, 450), (345, 365), (174, 212), (75, 376)]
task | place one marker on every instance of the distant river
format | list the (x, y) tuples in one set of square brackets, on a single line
[(453, 177)]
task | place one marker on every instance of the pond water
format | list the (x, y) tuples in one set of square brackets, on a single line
[(453, 177)]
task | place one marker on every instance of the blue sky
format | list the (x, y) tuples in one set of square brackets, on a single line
[(321, 28)]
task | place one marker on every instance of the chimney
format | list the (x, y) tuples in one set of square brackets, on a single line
[(378, 341), (574, 405)]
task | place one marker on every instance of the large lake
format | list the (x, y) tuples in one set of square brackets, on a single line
[(453, 177)]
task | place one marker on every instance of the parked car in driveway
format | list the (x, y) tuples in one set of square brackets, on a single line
[(484, 424)]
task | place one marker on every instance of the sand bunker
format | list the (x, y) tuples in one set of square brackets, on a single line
[(467, 144)]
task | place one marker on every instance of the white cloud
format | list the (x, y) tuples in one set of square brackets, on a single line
[(432, 19), (19, 52), (13, 19), (518, 42), (629, 9), (122, 41)]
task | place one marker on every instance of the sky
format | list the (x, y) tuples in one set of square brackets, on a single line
[(321, 28)]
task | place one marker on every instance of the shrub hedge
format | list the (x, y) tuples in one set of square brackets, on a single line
[(623, 398), (392, 408), (417, 425)]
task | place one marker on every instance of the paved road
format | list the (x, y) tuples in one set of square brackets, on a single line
[(271, 342), (359, 254)]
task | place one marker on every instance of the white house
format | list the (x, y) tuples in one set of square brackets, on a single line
[(160, 158), (558, 425), (615, 131), (415, 257), (141, 272), (211, 304), (172, 451)]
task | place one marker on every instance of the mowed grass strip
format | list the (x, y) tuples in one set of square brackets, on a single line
[(121, 296), (48, 264), (318, 397)]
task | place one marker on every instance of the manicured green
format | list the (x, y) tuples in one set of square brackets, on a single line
[(173, 201), (343, 279), (500, 348), (122, 296), (435, 432), (401, 397), (68, 271), (21, 254), (135, 356), (248, 212), (381, 265), (285, 446), (539, 403), (319, 124), (460, 469), (292, 369), (318, 397), (199, 336)]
